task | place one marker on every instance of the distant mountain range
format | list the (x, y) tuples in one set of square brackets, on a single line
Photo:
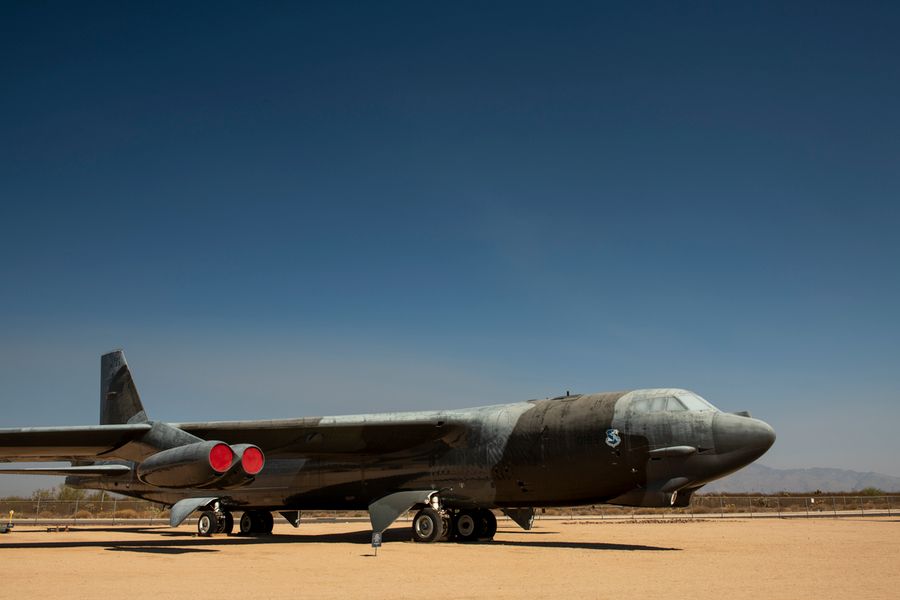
[(766, 480)]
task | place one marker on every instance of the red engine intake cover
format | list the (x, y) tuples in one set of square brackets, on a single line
[(220, 457), (253, 460)]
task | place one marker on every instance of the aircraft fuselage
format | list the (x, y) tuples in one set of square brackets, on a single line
[(635, 448)]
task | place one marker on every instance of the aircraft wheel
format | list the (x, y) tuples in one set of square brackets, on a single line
[(248, 523), (207, 524), (428, 526), (227, 523), (488, 524), (467, 526), (447, 527), (266, 522)]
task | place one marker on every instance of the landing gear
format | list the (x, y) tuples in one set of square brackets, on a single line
[(268, 521), (247, 523), (256, 522), (466, 525), (474, 525), (428, 525), (488, 524), (212, 521), (207, 524), (431, 525), (226, 523)]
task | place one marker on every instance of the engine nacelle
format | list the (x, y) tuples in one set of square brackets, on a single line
[(247, 463), (251, 458), (194, 465)]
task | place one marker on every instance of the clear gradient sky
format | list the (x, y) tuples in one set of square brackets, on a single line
[(290, 210)]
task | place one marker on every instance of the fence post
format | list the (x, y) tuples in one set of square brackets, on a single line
[(115, 506), (834, 506), (37, 511), (862, 510), (722, 507), (889, 505), (778, 502), (806, 502), (75, 514)]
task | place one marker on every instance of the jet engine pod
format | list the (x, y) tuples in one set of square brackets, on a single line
[(248, 461), (192, 465), (251, 458)]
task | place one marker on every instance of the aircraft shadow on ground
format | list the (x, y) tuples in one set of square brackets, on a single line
[(583, 545), (177, 542)]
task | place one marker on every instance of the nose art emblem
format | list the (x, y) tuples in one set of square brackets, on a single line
[(612, 438)]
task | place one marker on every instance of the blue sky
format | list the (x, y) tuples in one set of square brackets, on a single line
[(284, 209)]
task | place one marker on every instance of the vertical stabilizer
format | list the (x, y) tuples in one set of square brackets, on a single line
[(120, 402)]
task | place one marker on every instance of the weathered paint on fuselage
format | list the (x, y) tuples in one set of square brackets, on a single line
[(550, 452)]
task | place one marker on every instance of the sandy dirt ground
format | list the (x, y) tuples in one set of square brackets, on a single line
[(761, 558)]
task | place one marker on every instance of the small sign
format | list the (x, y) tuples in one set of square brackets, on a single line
[(376, 540)]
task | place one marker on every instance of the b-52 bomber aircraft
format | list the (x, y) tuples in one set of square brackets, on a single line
[(651, 447)]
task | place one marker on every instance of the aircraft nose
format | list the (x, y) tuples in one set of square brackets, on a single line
[(745, 436)]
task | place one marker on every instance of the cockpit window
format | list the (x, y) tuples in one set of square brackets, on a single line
[(658, 404), (694, 402), (674, 404), (679, 402)]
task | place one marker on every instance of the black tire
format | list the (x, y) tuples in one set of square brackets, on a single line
[(249, 523), (467, 526), (447, 531), (427, 526), (227, 523), (488, 524), (266, 522), (207, 524)]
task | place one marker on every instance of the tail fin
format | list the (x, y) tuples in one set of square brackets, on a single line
[(120, 402)]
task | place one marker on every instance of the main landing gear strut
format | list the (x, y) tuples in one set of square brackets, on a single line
[(432, 525)]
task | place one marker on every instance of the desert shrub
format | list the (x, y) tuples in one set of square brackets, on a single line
[(84, 514), (126, 513)]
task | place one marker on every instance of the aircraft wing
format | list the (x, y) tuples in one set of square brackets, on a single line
[(287, 437), (45, 444), (85, 470), (335, 436)]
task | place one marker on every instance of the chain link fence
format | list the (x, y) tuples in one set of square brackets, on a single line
[(714, 506), (111, 511), (118, 511), (796, 506)]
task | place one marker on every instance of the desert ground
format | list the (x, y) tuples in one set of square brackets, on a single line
[(761, 558)]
